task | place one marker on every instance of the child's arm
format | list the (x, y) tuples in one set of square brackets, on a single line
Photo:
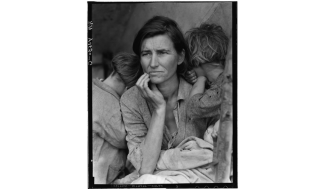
[(199, 85), (203, 103)]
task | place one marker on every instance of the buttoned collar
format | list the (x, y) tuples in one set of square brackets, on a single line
[(184, 89)]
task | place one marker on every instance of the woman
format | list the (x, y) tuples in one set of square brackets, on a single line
[(154, 111)]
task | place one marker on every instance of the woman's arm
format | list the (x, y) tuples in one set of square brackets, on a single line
[(144, 137), (153, 141)]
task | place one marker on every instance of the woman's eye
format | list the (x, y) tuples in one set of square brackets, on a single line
[(144, 54)]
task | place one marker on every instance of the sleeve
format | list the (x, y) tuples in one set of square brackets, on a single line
[(205, 104), (111, 129), (136, 130), (178, 158), (100, 166)]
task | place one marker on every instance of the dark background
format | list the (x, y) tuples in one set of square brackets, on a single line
[(116, 24)]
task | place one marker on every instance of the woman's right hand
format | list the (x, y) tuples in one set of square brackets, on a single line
[(152, 95)]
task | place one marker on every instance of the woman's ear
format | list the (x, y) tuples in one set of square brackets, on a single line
[(181, 57)]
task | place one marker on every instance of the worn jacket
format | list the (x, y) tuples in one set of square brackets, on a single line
[(137, 115), (207, 104), (108, 134)]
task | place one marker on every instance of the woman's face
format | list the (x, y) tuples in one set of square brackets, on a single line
[(159, 58)]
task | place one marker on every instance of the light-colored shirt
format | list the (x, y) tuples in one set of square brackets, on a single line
[(108, 134), (137, 115)]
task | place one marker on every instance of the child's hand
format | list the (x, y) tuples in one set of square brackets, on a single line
[(190, 77), (199, 71)]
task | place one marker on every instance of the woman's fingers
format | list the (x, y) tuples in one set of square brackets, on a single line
[(140, 79), (154, 87), (146, 88), (153, 96), (140, 84)]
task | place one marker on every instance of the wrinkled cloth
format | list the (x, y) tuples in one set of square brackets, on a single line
[(178, 158), (208, 103), (137, 115), (128, 179), (183, 166), (108, 134)]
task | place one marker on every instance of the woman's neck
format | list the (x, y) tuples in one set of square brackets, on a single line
[(169, 89)]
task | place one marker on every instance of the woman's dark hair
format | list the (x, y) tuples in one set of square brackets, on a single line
[(128, 67), (160, 25)]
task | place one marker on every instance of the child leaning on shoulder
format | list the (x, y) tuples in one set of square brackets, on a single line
[(208, 48)]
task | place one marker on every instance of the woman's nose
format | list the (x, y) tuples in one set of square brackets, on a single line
[(154, 61)]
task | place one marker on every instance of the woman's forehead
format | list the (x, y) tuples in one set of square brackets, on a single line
[(158, 42)]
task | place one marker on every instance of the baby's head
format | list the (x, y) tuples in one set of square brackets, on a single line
[(208, 48)]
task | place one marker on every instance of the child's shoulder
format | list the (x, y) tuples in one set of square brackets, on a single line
[(132, 97), (218, 83)]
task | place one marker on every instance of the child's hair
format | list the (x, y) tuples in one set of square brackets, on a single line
[(128, 67), (207, 43)]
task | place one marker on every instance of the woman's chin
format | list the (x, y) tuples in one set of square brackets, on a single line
[(155, 80)]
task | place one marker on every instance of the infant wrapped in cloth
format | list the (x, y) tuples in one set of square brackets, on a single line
[(189, 162)]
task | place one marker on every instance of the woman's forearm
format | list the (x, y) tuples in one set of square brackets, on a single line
[(153, 141)]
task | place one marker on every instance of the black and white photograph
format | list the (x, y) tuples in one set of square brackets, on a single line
[(162, 88)]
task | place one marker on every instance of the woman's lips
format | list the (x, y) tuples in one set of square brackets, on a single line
[(154, 72)]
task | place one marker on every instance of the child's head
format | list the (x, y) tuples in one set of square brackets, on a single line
[(208, 47), (126, 70)]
